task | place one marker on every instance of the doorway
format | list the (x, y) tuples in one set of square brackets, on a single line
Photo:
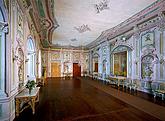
[(55, 70), (96, 67), (76, 70), (95, 64)]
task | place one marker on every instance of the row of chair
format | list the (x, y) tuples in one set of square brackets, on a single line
[(128, 83), (157, 87)]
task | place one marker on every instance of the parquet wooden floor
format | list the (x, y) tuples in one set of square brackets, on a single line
[(76, 100)]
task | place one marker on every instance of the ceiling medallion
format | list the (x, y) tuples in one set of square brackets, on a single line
[(82, 28), (101, 6), (74, 39)]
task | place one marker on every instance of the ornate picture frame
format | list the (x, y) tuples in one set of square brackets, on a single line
[(148, 39)]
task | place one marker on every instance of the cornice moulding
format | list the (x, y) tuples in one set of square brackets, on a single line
[(128, 25)]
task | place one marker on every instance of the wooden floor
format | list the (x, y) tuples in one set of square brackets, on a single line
[(76, 100)]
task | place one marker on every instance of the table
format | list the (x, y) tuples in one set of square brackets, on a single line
[(118, 79), (25, 98), (66, 74)]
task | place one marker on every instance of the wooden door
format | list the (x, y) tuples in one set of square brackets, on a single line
[(76, 70), (96, 67), (55, 70)]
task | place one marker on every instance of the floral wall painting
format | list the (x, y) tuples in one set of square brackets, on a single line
[(147, 39)]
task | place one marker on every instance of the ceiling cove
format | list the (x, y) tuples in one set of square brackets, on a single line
[(79, 23), (86, 20), (40, 14)]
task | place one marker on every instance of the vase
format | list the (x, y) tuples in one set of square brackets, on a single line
[(30, 90), (148, 78), (148, 83)]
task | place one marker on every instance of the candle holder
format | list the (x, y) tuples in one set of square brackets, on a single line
[(15, 58)]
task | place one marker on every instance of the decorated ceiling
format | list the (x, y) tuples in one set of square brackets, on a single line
[(41, 19), (82, 21), (77, 23)]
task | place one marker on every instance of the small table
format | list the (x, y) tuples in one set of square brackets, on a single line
[(120, 79), (67, 74), (24, 97)]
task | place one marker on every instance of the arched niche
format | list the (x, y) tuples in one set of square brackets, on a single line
[(147, 66), (121, 60), (104, 65), (95, 60)]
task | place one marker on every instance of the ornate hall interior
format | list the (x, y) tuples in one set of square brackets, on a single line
[(82, 60)]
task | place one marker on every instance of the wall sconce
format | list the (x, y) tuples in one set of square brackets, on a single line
[(26, 60), (15, 58), (162, 61), (123, 38), (37, 63)]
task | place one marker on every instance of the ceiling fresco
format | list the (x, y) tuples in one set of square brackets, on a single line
[(78, 23), (41, 17), (82, 21)]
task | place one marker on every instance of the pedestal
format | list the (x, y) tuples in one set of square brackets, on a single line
[(147, 86)]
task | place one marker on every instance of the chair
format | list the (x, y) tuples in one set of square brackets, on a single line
[(113, 80), (99, 76), (160, 90), (95, 75), (107, 78), (127, 83), (135, 84), (154, 87)]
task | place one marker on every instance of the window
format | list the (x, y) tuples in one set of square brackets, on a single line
[(31, 58)]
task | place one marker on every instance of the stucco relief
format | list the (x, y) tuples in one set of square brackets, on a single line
[(149, 58), (67, 56), (161, 24), (44, 60), (76, 57), (95, 52), (104, 50), (55, 56), (147, 67), (150, 23), (19, 58), (126, 41), (148, 39), (85, 62)]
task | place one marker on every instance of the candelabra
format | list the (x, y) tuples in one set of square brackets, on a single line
[(161, 60)]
